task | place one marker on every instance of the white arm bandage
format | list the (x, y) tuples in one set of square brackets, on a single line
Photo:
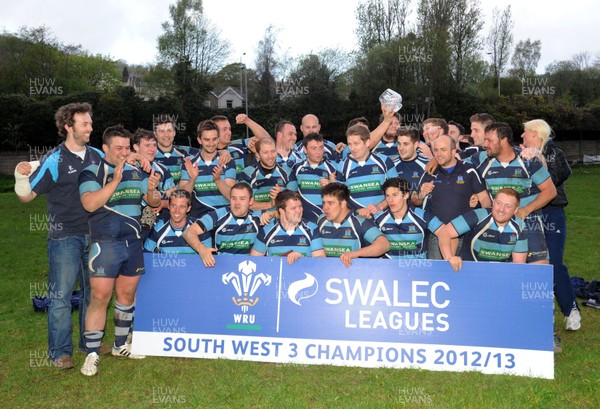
[(22, 186)]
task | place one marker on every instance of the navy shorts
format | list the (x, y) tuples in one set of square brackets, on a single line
[(537, 250), (113, 258)]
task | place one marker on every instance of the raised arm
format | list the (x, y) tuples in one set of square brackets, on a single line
[(256, 128), (153, 196), (192, 171), (223, 184), (377, 133)]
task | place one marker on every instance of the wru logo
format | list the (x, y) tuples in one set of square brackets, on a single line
[(246, 283)]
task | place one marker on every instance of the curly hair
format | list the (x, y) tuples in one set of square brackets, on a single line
[(65, 115)]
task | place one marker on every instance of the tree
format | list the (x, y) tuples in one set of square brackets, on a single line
[(266, 65), (192, 47), (434, 20), (312, 82), (177, 41), (430, 65), (597, 61), (526, 57), (210, 51), (574, 80), (499, 40), (230, 75), (380, 22), (159, 81), (13, 50), (379, 69), (339, 62), (34, 63), (465, 42), (582, 60)]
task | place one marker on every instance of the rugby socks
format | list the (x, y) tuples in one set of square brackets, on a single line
[(123, 320), (93, 339)]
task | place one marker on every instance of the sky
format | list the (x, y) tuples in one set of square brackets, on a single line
[(128, 29)]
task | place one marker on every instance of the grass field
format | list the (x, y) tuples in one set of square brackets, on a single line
[(27, 380)]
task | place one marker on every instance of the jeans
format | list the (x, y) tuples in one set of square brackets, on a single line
[(68, 258), (555, 229)]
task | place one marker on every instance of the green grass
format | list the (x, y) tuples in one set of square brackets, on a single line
[(7, 183), (26, 382)]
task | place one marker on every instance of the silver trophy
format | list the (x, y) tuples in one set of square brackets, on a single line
[(391, 99)]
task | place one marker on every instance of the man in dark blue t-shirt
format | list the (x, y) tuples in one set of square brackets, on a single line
[(56, 176), (447, 192)]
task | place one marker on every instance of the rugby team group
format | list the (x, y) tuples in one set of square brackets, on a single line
[(425, 191)]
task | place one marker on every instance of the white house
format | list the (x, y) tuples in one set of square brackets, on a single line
[(225, 99)]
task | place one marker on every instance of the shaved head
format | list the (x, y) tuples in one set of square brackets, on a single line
[(310, 118), (310, 124)]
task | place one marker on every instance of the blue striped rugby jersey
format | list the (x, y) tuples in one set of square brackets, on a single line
[(173, 160), (238, 156), (119, 218), (411, 170), (288, 163), (262, 180), (165, 238), (273, 240), (346, 152), (240, 153), (387, 149), (230, 235), (485, 240), (166, 180), (365, 181), (407, 237), (522, 175), (306, 177), (330, 153), (353, 233), (206, 195)]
